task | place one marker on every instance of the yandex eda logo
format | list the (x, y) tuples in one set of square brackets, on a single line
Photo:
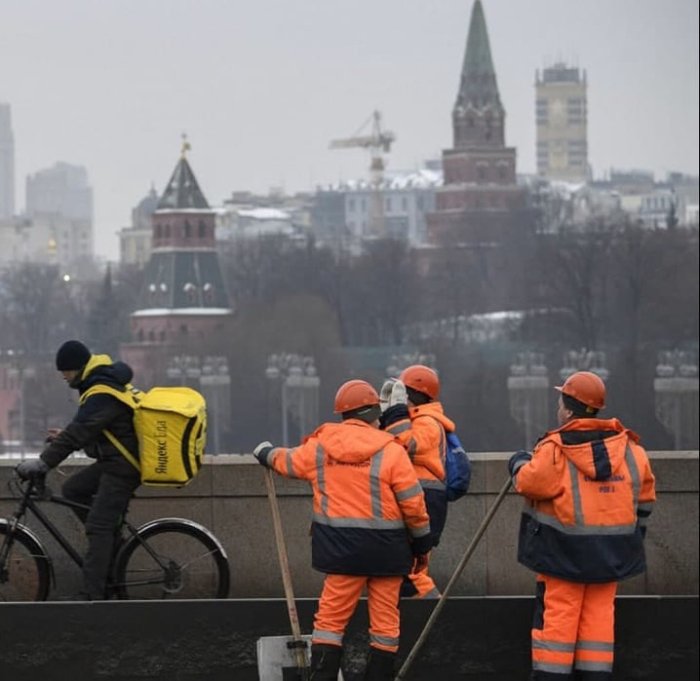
[(161, 437)]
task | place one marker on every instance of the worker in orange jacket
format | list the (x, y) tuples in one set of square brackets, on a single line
[(370, 526), (589, 491), (414, 415)]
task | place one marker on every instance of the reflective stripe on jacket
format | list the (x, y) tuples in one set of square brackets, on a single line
[(590, 489), (423, 435), (366, 499)]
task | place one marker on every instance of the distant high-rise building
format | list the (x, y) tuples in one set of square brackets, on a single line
[(480, 198), (7, 163), (59, 206), (63, 190), (561, 114), (135, 240)]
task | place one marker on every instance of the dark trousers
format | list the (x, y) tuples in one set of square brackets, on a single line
[(107, 487)]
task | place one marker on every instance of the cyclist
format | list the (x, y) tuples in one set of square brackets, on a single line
[(107, 485)]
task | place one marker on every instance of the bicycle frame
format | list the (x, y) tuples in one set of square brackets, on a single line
[(30, 500), (165, 557)]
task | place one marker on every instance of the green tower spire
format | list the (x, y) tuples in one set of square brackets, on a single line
[(478, 87)]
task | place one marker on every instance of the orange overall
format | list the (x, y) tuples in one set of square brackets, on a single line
[(424, 438), (589, 490), (369, 519)]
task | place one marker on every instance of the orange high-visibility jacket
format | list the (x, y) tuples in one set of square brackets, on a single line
[(590, 490), (369, 515), (423, 435)]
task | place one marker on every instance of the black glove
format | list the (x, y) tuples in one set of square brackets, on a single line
[(261, 452), (31, 469), (520, 458), (422, 545)]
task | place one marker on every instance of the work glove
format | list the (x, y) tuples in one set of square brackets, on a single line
[(519, 459), (262, 451), (393, 403), (31, 469), (393, 392)]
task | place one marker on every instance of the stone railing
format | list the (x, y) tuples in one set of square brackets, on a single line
[(229, 497)]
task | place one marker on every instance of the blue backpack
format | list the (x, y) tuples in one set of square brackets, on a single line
[(458, 468)]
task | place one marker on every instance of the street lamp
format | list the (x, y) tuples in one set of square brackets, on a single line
[(299, 385), (215, 382), (584, 360), (18, 372), (528, 392), (676, 396)]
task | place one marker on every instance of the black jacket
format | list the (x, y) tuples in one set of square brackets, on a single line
[(99, 412)]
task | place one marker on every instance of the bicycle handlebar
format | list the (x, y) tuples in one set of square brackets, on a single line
[(36, 485)]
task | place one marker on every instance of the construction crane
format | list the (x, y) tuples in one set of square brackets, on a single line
[(378, 141)]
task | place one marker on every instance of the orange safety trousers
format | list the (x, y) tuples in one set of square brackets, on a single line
[(574, 626), (339, 599)]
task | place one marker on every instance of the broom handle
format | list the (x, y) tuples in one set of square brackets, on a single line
[(455, 576), (286, 574)]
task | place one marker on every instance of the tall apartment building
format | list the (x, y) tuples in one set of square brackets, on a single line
[(7, 164), (561, 116), (60, 208), (135, 240)]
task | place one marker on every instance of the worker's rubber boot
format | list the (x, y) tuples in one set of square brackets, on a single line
[(380, 665), (325, 662), (592, 676)]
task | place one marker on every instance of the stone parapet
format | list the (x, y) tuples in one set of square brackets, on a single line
[(229, 497)]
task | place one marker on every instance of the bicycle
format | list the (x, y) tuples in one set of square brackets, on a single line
[(163, 558)]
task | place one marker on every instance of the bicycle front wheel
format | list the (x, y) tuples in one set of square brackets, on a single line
[(172, 558), (25, 572)]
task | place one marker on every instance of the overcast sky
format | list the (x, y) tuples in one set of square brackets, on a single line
[(262, 86)]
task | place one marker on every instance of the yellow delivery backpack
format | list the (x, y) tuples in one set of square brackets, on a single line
[(171, 427)]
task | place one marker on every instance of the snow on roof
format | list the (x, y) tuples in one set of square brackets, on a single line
[(182, 311), (424, 178), (264, 214)]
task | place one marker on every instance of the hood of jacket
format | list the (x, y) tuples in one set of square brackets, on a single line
[(435, 410), (101, 369), (586, 441), (352, 441)]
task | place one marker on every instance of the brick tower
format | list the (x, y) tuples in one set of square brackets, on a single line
[(183, 306), (479, 199)]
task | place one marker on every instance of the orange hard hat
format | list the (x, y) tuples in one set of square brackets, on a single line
[(586, 387), (353, 395), (421, 378)]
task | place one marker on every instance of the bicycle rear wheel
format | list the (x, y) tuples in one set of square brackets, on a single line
[(25, 572), (172, 558)]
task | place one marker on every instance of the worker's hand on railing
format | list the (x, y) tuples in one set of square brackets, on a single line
[(261, 452)]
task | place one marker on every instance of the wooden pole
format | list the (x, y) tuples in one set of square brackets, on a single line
[(298, 643), (455, 576)]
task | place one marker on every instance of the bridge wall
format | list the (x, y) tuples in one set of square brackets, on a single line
[(229, 497)]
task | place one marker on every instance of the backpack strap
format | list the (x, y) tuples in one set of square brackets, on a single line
[(131, 398)]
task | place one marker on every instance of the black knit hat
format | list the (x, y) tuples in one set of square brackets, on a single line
[(366, 413), (72, 356)]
